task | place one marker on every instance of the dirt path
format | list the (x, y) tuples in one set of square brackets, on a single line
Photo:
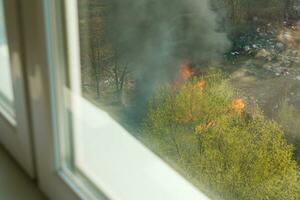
[(269, 88)]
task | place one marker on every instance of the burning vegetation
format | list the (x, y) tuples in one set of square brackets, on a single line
[(238, 105), (231, 155), (147, 65), (185, 72)]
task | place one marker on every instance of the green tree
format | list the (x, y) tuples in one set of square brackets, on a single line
[(202, 129), (289, 118)]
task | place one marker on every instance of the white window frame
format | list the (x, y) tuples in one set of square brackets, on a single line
[(53, 43), (15, 128)]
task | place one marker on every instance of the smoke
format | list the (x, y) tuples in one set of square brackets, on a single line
[(166, 27), (155, 36)]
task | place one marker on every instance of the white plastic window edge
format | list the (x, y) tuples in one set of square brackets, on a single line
[(6, 90), (122, 167), (8, 113)]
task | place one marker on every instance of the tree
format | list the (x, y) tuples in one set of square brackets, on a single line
[(205, 131), (289, 118), (105, 69)]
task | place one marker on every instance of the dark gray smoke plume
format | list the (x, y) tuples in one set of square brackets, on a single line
[(156, 35), (164, 29)]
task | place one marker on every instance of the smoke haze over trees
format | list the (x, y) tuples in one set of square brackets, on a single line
[(143, 61)]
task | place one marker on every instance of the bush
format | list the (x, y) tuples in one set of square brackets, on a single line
[(289, 118), (202, 129)]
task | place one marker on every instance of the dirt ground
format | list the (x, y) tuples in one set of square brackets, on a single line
[(268, 86)]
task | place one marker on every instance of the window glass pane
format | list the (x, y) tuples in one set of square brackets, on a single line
[(210, 86), (6, 90)]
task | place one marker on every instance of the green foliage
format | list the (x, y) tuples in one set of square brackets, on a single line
[(289, 118), (228, 154)]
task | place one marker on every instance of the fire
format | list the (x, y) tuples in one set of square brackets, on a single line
[(210, 124), (204, 127), (185, 72), (201, 85), (238, 105)]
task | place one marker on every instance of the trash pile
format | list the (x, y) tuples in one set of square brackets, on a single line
[(276, 50)]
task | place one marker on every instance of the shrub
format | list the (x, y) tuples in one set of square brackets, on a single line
[(228, 153), (289, 118)]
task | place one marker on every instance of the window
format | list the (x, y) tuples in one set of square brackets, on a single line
[(14, 116), (6, 90), (209, 87), (95, 167)]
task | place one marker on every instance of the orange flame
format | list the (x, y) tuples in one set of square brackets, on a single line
[(210, 124), (238, 105), (204, 127), (185, 72), (201, 85)]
